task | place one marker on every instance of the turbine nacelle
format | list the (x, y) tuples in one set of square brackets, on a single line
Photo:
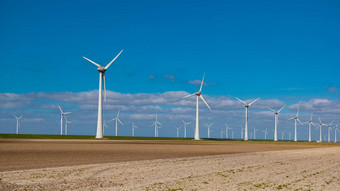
[(198, 93), (101, 69)]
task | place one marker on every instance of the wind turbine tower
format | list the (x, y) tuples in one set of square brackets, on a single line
[(335, 131), (18, 122), (226, 130), (246, 122), (155, 124), (310, 122), (198, 95), (276, 120), (61, 119), (296, 118), (208, 126), (133, 128), (117, 120), (320, 126), (66, 122), (178, 128), (329, 131), (101, 70), (185, 128)]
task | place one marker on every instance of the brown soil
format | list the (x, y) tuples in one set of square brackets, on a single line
[(20, 154)]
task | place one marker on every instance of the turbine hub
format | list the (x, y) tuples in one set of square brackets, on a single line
[(198, 93), (101, 69)]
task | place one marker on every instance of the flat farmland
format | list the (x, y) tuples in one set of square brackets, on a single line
[(20, 154)]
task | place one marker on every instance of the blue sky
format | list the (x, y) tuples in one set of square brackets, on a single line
[(287, 52)]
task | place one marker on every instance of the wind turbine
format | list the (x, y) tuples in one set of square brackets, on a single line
[(209, 125), (232, 133), (198, 95), (101, 70), (310, 122), (155, 124), (61, 119), (283, 134), (296, 118), (66, 122), (335, 130), (222, 131), (246, 122), (265, 134), (178, 128), (133, 128), (104, 126), (117, 120), (276, 120), (185, 127), (255, 133), (226, 130), (329, 131), (320, 126), (18, 122)]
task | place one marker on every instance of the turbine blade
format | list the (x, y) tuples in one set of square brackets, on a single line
[(271, 109), (311, 117), (202, 83), (205, 102), (67, 113), (120, 121), (189, 95), (60, 109), (254, 101), (299, 121), (291, 118), (92, 62), (241, 101), (281, 108), (109, 64)]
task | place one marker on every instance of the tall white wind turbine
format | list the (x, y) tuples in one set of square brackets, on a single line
[(155, 124), (276, 120), (283, 134), (18, 122), (246, 122), (329, 131), (117, 120), (296, 119), (310, 123), (61, 119), (133, 128), (185, 128), (208, 126), (320, 126), (101, 70), (198, 95)]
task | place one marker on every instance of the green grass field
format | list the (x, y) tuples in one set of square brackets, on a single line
[(204, 140)]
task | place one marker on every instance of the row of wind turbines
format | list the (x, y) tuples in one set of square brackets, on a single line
[(101, 123)]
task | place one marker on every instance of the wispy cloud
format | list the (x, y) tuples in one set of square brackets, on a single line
[(333, 89)]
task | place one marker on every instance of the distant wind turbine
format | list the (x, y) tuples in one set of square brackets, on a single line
[(276, 120), (18, 122), (133, 128), (246, 122), (61, 119), (310, 122), (198, 95), (117, 120), (178, 128), (185, 128), (255, 133), (296, 118), (283, 134), (226, 130), (265, 134), (155, 124), (329, 131), (66, 122), (101, 70), (208, 126), (336, 130), (320, 126)]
